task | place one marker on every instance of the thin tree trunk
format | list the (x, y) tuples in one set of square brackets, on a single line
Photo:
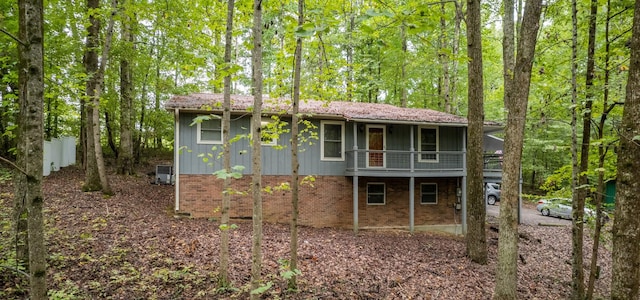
[(108, 124), (226, 138), (350, 26), (593, 270), (125, 157), (476, 217), (295, 166), (626, 227), (516, 99), (454, 53), (256, 144), (444, 60), (577, 271), (31, 139), (97, 80), (508, 48), (403, 67)]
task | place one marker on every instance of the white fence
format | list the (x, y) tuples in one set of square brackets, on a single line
[(58, 153)]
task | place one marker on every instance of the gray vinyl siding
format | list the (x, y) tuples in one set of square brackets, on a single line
[(274, 161), (278, 161)]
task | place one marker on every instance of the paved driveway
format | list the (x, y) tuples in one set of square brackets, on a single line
[(530, 216)]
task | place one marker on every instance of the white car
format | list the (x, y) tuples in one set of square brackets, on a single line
[(560, 207)]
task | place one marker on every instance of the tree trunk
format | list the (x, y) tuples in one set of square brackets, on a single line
[(349, 53), (626, 228), (108, 124), (226, 138), (31, 139), (295, 166), (256, 145), (125, 157), (454, 53), (403, 67), (444, 60), (516, 98), (90, 61), (601, 159), (476, 214), (508, 48), (94, 91), (581, 191), (577, 203)]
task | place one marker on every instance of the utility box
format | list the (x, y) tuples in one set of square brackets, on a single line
[(164, 174)]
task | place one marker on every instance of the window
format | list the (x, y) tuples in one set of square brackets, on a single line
[(428, 193), (210, 131), (428, 143), (376, 193), (332, 140), (268, 132)]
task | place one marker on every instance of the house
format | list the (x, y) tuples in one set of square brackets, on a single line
[(375, 165)]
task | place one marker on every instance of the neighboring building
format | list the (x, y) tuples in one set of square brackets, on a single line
[(375, 165)]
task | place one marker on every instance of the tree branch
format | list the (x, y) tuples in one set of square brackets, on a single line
[(14, 166), (15, 38), (15, 270)]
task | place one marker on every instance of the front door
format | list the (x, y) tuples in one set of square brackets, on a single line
[(376, 146)]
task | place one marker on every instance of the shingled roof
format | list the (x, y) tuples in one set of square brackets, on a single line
[(336, 109)]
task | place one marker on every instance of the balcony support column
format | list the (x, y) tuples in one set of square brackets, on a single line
[(412, 183), (464, 181), (355, 177)]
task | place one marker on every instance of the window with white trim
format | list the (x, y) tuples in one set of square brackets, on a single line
[(428, 193), (428, 137), (268, 132), (376, 193), (332, 140), (209, 131)]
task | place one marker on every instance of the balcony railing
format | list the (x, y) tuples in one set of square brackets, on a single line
[(365, 161)]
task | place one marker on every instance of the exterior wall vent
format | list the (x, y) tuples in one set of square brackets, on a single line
[(164, 174)]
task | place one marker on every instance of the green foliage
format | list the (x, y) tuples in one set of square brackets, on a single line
[(559, 183), (5, 175), (285, 270), (235, 174), (262, 288)]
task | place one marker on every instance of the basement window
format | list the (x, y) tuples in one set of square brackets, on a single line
[(376, 193), (428, 193)]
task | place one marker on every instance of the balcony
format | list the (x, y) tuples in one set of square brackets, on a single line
[(400, 163)]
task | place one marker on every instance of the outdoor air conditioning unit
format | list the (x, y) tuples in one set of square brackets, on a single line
[(164, 174)]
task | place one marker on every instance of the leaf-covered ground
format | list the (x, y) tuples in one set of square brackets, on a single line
[(131, 246)]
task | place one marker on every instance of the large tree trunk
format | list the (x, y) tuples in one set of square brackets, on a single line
[(256, 145), (295, 166), (94, 90), (476, 213), (30, 147), (125, 157), (90, 61), (226, 138), (626, 228), (516, 99)]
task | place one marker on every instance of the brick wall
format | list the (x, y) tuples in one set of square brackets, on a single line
[(329, 203)]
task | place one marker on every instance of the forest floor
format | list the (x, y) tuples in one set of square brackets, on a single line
[(131, 246)]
